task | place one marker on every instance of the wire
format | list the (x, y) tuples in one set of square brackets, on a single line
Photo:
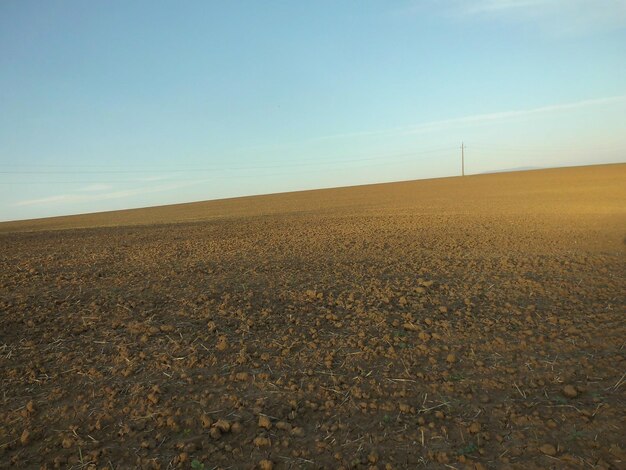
[(277, 162), (526, 149), (217, 169)]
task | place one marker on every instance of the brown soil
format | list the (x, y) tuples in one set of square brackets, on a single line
[(472, 322)]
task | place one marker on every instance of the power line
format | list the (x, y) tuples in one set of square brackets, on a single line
[(186, 180), (215, 169), (529, 149), (309, 161)]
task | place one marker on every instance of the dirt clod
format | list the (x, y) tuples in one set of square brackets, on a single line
[(570, 391), (266, 464), (548, 449), (265, 422), (262, 441), (474, 428)]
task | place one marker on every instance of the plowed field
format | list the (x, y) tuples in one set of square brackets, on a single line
[(474, 322)]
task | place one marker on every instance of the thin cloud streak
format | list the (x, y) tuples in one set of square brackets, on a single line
[(78, 198), (96, 187), (503, 115), (554, 17), (487, 6), (434, 126), (476, 118)]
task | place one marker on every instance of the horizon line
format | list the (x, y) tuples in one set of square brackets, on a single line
[(323, 188)]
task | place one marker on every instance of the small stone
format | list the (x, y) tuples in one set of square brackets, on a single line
[(66, 443), (215, 433), (297, 432), (570, 392), (450, 358), (548, 449)]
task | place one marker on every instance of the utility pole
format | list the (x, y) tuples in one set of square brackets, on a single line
[(462, 159)]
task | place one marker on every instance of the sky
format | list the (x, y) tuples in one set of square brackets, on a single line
[(118, 104)]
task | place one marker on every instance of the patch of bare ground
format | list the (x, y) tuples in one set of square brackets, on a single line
[(473, 323)]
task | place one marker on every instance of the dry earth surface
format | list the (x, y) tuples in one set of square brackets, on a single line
[(472, 322)]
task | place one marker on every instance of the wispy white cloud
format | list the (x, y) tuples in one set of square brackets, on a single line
[(433, 126), (102, 196), (96, 187), (152, 178), (490, 6), (48, 200), (553, 16), (504, 115)]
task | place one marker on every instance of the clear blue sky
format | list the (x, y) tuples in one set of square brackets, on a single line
[(117, 104)]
